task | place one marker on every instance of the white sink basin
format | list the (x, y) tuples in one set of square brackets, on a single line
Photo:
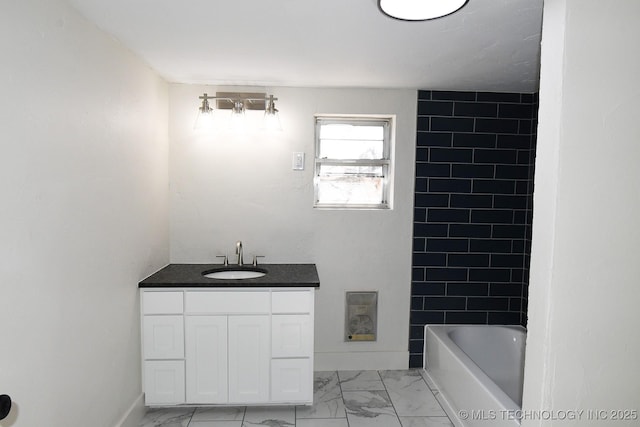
[(235, 274)]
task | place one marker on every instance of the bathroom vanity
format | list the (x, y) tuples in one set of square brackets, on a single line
[(228, 341)]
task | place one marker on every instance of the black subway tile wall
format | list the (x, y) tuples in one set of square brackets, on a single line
[(473, 207)]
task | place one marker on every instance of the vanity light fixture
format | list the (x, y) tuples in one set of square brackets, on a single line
[(419, 10), (237, 116), (271, 120), (205, 117), (238, 103)]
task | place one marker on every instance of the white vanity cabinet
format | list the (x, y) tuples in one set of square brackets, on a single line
[(236, 346)]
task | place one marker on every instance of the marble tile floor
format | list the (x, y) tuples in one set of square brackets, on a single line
[(341, 399)]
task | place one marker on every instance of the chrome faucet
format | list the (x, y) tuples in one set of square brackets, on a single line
[(239, 252)]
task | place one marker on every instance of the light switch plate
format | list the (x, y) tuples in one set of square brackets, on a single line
[(298, 161)]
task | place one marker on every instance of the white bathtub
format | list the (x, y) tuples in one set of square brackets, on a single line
[(478, 372)]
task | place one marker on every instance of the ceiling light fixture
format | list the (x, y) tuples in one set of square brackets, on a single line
[(419, 10), (238, 103)]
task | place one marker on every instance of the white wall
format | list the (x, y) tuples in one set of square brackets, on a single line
[(227, 187), (83, 214), (583, 345)]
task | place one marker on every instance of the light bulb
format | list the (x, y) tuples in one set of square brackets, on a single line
[(237, 121), (205, 118), (271, 119)]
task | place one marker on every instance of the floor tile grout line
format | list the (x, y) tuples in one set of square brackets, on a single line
[(346, 417), (395, 411), (434, 396), (191, 416)]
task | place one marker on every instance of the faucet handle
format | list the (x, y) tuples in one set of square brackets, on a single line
[(225, 262), (255, 259)]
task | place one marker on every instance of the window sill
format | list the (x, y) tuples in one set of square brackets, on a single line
[(342, 207)]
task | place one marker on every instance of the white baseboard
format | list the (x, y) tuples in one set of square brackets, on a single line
[(357, 361), (134, 414)]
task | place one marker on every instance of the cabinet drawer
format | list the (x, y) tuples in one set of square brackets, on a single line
[(164, 382), (291, 380), (291, 335), (163, 337), (227, 302), (162, 302), (291, 301)]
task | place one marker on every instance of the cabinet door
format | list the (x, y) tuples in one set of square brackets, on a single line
[(291, 380), (164, 382), (291, 335), (163, 337), (249, 357), (206, 358)]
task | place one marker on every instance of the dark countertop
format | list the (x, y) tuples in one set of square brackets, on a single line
[(190, 275)]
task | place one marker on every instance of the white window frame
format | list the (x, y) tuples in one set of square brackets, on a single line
[(387, 122)]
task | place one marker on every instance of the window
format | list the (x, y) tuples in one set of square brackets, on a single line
[(352, 162)]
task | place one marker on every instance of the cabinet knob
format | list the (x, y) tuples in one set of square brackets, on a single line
[(5, 406)]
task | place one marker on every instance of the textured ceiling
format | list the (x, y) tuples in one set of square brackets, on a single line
[(488, 45)]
